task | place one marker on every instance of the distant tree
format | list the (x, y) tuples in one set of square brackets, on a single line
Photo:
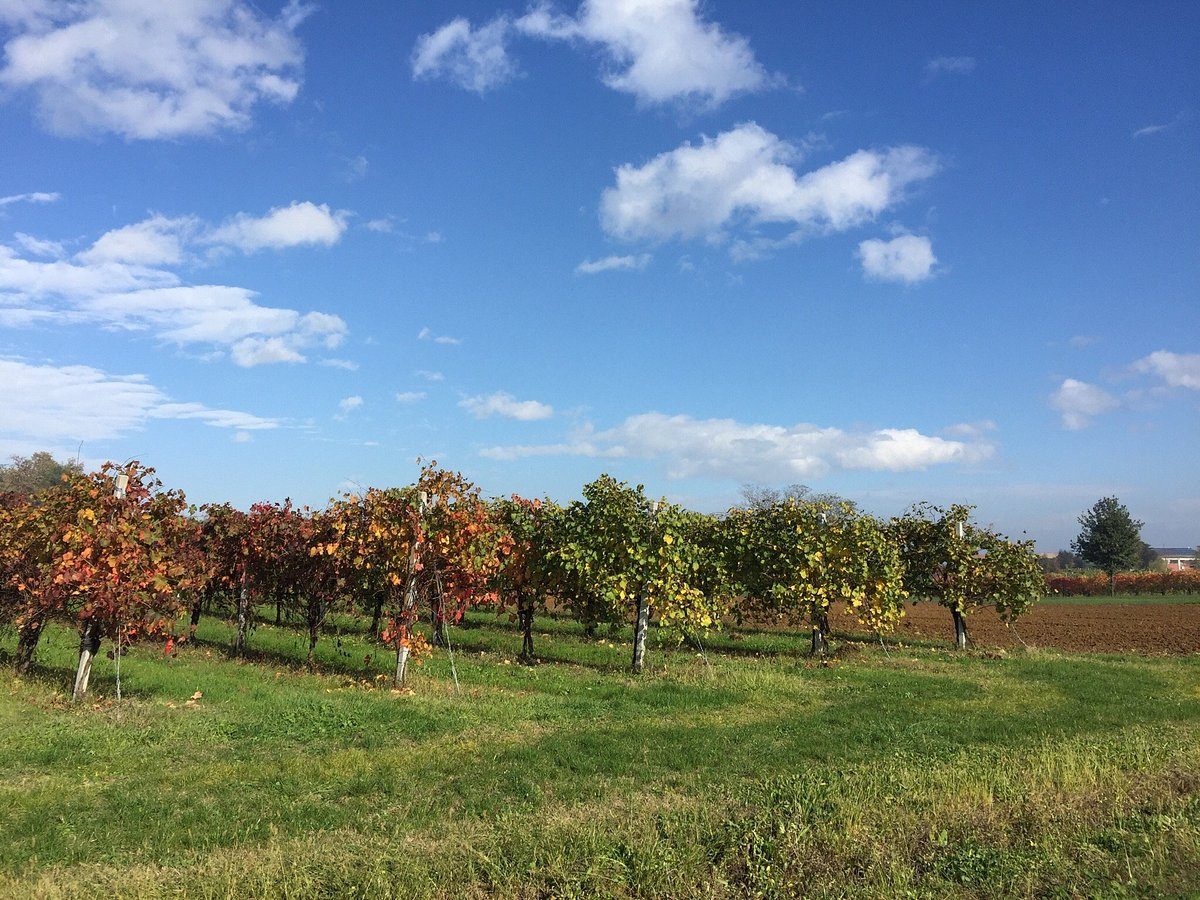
[(1110, 539), (30, 474), (757, 496), (1151, 561), (1068, 560)]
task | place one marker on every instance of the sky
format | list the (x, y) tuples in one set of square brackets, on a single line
[(900, 252)]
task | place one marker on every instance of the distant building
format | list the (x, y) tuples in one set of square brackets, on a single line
[(1177, 558)]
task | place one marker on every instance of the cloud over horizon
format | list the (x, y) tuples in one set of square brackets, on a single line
[(726, 448)]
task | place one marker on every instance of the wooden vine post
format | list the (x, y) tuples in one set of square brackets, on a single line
[(89, 639), (410, 595)]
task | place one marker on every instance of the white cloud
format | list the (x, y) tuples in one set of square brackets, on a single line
[(381, 226), (1080, 341), (611, 263), (35, 196), (1176, 369), (425, 334), (908, 258), (39, 246), (56, 404), (1079, 402), (971, 429), (430, 376), (356, 169), (1158, 128), (301, 223), (125, 281), (157, 241), (725, 448), (217, 418), (744, 178), (503, 404), (144, 69), (251, 352), (658, 50), (949, 65), (410, 396), (348, 404), (473, 58), (348, 365)]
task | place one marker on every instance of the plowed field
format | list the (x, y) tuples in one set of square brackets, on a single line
[(1146, 628)]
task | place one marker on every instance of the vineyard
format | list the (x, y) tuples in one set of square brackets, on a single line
[(420, 691), (116, 555), (1137, 584)]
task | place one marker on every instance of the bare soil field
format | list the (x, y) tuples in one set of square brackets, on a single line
[(1117, 627)]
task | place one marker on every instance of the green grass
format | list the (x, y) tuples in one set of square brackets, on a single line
[(1150, 599), (754, 772)]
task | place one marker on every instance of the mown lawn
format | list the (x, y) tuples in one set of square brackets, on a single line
[(750, 770)]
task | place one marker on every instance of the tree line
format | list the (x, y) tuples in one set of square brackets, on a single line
[(121, 558)]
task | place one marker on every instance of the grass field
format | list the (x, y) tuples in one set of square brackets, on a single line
[(755, 772), (1148, 599)]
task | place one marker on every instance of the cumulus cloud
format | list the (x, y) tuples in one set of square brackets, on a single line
[(126, 280), (949, 65), (1079, 402), (726, 448), (508, 406), (156, 241), (745, 178), (473, 58), (300, 224), (1175, 369), (410, 396), (144, 69), (908, 258), (430, 376), (613, 263), (34, 197), (657, 50), (64, 404)]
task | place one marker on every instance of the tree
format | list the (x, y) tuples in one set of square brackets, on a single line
[(757, 496), (637, 556), (962, 566), (127, 560), (528, 572), (32, 474), (794, 558), (1110, 539), (375, 542), (31, 532), (228, 548), (287, 567)]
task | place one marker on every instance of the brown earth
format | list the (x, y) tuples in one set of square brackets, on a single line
[(1145, 628)]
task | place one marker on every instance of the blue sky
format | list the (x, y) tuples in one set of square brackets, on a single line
[(943, 252)]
